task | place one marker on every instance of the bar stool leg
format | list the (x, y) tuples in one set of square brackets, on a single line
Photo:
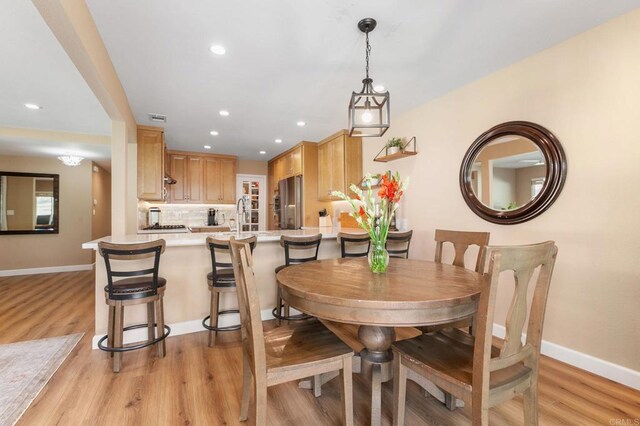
[(151, 319), (160, 317), (118, 335), (213, 318), (279, 306), (110, 329)]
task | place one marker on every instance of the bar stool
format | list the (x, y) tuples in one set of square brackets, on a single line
[(301, 244), (347, 240), (398, 244), (221, 280), (144, 286)]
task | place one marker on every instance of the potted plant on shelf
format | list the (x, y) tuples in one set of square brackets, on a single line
[(394, 145), (374, 211)]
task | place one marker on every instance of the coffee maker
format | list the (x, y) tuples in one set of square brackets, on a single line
[(211, 218)]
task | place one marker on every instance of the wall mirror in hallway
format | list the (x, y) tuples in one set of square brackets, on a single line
[(513, 172), (29, 203)]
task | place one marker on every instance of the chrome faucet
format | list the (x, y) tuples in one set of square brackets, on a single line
[(241, 213)]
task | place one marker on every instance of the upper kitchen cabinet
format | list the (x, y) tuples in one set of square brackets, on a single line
[(151, 163), (203, 179), (339, 164)]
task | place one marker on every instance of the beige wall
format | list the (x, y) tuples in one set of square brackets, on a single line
[(36, 251), (524, 176), (587, 91), (251, 167)]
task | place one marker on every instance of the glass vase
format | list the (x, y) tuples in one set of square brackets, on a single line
[(378, 258)]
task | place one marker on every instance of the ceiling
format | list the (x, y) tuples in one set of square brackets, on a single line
[(299, 60), (35, 69), (286, 61)]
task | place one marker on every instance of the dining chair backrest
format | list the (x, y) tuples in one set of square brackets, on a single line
[(359, 241), (398, 244), (129, 252), (307, 246), (249, 307), (461, 241), (523, 261), (221, 252)]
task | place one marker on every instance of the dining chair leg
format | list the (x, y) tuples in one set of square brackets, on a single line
[(246, 388), (160, 319), (317, 385), (261, 401), (376, 394), (110, 330), (213, 318), (117, 335), (151, 320), (399, 390), (530, 398), (346, 374)]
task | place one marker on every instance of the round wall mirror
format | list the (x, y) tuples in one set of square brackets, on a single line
[(513, 172)]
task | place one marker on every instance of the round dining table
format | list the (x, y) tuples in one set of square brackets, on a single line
[(410, 293)]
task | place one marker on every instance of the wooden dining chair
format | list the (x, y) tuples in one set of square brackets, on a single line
[(470, 367), (461, 241), (291, 352), (221, 281), (353, 245), (398, 244), (297, 249), (141, 285)]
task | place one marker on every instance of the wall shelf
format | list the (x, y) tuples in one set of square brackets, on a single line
[(404, 152)]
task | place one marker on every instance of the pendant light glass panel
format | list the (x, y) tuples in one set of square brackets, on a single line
[(369, 112)]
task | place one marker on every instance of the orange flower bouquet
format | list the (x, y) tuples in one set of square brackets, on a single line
[(374, 209)]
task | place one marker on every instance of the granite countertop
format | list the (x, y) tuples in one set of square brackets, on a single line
[(195, 239)]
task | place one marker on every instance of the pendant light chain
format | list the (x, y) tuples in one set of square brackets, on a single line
[(367, 53)]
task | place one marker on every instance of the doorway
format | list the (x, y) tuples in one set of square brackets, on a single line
[(254, 187)]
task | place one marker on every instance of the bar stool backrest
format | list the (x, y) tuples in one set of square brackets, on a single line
[(308, 244), (129, 252), (221, 253), (398, 244), (347, 240)]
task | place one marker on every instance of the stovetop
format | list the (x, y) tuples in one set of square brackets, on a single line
[(157, 228)]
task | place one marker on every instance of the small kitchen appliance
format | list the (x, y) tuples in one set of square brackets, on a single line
[(153, 216), (215, 218)]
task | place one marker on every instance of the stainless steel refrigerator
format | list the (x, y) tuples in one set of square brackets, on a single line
[(290, 191)]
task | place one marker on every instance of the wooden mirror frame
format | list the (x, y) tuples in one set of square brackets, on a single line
[(555, 160)]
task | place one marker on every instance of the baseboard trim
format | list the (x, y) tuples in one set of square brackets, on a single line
[(46, 270), (184, 327), (600, 367)]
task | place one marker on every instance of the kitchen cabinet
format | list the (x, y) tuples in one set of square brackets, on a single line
[(302, 159), (203, 179), (339, 164), (151, 163)]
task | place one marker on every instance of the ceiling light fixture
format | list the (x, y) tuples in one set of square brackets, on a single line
[(278, 140), (213, 133), (263, 152), (33, 106), (207, 147), (70, 160), (369, 112), (224, 113), (217, 49), (301, 123)]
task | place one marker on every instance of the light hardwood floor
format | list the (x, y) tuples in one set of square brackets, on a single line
[(198, 385)]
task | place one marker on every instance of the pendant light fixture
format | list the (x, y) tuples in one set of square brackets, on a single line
[(369, 113)]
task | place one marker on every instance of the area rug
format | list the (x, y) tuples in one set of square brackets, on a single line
[(25, 367)]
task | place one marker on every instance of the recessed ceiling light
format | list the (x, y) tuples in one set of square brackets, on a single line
[(33, 106), (224, 113), (217, 49), (263, 152), (278, 140), (379, 88), (207, 147), (213, 133), (301, 123)]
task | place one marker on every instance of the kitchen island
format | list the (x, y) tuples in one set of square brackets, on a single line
[(185, 265)]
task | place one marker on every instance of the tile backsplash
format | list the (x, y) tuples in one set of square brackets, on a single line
[(184, 214)]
